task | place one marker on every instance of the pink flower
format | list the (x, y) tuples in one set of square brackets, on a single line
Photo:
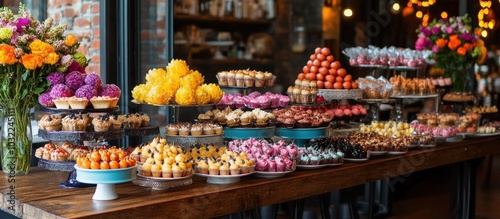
[(435, 49)]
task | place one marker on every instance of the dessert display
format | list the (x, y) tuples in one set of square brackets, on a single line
[(390, 128), (468, 123), (245, 78), (373, 141), (320, 152), (353, 151), (436, 131), (105, 158), (66, 152), (411, 86), (196, 129), (486, 129), (375, 88), (76, 90), (269, 157), (482, 109), (254, 100), (495, 124), (392, 56), (178, 85), (239, 118), (459, 97), (215, 160), (303, 117)]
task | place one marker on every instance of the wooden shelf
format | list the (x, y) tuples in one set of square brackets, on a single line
[(219, 20)]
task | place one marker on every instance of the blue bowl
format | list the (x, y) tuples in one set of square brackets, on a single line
[(110, 176)]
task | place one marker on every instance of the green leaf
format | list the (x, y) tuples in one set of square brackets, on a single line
[(38, 90), (25, 74), (23, 95)]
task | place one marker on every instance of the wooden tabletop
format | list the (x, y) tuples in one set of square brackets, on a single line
[(38, 195)]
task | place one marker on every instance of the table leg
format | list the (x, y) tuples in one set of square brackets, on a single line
[(371, 199), (352, 204), (296, 208), (324, 203), (466, 190)]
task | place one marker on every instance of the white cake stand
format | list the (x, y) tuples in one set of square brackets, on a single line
[(106, 180)]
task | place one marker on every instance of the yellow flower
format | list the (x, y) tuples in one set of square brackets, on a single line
[(52, 58), (178, 67), (71, 40), (193, 80), (202, 96), (156, 76), (41, 48), (31, 61), (140, 92), (7, 55), (185, 96), (5, 33)]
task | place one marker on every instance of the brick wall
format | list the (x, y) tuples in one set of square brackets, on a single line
[(82, 17)]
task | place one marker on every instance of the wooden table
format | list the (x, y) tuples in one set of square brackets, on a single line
[(38, 195)]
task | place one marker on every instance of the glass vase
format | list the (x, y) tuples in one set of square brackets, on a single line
[(16, 138)]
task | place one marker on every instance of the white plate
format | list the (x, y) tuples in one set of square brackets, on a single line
[(222, 179), (412, 146), (334, 164), (310, 167), (270, 175), (427, 145), (356, 159), (163, 179), (483, 134), (377, 153), (396, 152)]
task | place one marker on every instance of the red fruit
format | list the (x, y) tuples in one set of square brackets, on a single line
[(320, 99), (317, 50), (328, 85), (309, 63), (339, 79), (301, 76), (310, 76), (320, 77), (320, 57), (323, 70), (348, 78), (337, 85), (316, 63), (330, 78), (347, 85), (330, 58), (354, 85), (325, 64), (332, 71), (341, 72), (305, 69), (312, 57), (335, 65), (325, 51), (347, 112), (313, 69)]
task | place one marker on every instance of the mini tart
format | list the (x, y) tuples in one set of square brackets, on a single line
[(75, 122), (77, 103), (78, 152), (144, 119), (116, 122), (59, 155), (101, 102), (134, 120), (61, 103), (101, 123), (50, 123), (114, 102)]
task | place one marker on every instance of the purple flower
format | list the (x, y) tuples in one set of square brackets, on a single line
[(466, 36), (435, 49), (61, 90), (435, 30), (423, 43), (22, 23), (75, 66), (93, 80), (426, 31), (75, 80), (86, 91), (45, 100), (110, 90), (55, 78)]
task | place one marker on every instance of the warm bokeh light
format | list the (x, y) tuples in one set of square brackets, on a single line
[(396, 7), (419, 14), (444, 15), (484, 33), (348, 12), (491, 24)]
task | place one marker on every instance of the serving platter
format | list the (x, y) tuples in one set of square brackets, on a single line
[(223, 179), (271, 175)]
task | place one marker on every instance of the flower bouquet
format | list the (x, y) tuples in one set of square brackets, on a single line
[(29, 51), (455, 47)]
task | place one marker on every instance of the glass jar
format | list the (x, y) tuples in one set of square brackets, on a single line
[(298, 37)]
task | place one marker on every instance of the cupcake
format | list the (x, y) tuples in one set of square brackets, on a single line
[(296, 95), (202, 167), (234, 169), (213, 168), (231, 79), (184, 130), (144, 120), (116, 122), (240, 79), (305, 96), (172, 129), (146, 169), (177, 171), (166, 170), (101, 123), (59, 154), (283, 101), (249, 80), (222, 78), (156, 170), (260, 80), (224, 169), (75, 122), (134, 120), (217, 129), (270, 78), (208, 130), (196, 129), (77, 103), (50, 123)]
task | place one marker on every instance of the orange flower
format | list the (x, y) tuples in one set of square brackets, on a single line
[(41, 48), (52, 58), (453, 37), (461, 51), (71, 40), (32, 61), (7, 55), (441, 43), (454, 43), (468, 46)]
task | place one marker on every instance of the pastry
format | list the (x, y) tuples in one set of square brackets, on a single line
[(222, 78), (61, 103), (101, 102), (78, 152), (249, 80), (116, 122), (134, 120), (146, 169), (144, 119), (234, 169), (208, 130), (50, 123), (177, 171), (240, 79), (224, 169), (260, 80), (184, 130), (231, 79), (213, 168), (101, 123), (156, 170), (172, 129), (68, 147), (196, 129), (75, 122), (59, 154), (166, 170), (77, 103), (39, 152)]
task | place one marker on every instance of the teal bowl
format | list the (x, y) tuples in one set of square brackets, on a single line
[(110, 176)]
